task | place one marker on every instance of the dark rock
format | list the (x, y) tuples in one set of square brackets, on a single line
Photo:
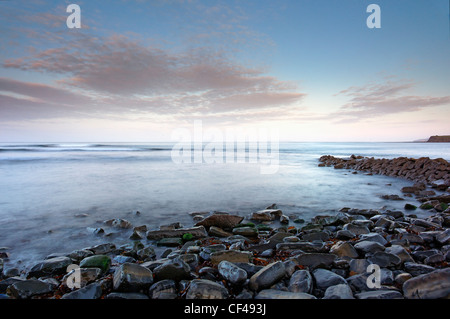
[(28, 288), (301, 281), (379, 294), (417, 269), (132, 278), (91, 291), (53, 266), (326, 278), (206, 289), (175, 269), (232, 273), (340, 291), (314, 260), (267, 276), (433, 285), (223, 221), (162, 288), (279, 294), (126, 295)]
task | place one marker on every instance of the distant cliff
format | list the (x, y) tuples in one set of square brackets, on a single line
[(439, 139)]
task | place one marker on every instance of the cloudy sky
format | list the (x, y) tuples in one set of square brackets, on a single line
[(137, 70)]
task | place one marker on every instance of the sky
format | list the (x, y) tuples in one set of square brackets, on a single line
[(309, 70)]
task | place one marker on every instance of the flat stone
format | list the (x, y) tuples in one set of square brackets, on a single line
[(301, 281), (433, 285), (91, 291), (232, 256), (132, 278), (232, 273), (126, 295), (246, 231), (314, 260), (374, 237), (206, 289), (416, 269), (53, 266), (175, 269), (368, 247), (356, 229), (400, 252), (280, 294), (341, 291), (326, 278), (196, 232), (162, 288), (223, 221), (267, 276), (344, 249), (384, 259), (29, 288), (379, 294)]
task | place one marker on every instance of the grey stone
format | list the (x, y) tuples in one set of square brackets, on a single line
[(232, 273), (368, 247), (206, 289), (28, 288), (301, 281), (340, 291), (379, 294), (433, 285), (53, 266), (401, 252), (126, 295), (374, 237), (132, 278), (197, 232), (416, 269), (267, 276), (326, 278), (279, 294), (314, 260), (97, 261), (175, 269), (231, 255), (384, 259), (356, 229), (223, 221), (162, 288), (344, 249), (91, 291)]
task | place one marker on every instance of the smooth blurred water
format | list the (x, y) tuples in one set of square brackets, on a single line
[(45, 187)]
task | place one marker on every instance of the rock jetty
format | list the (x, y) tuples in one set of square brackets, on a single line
[(435, 172), (351, 254)]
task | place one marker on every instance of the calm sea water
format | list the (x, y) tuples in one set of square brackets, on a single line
[(45, 188)]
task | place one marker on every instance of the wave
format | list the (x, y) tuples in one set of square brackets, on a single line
[(81, 148)]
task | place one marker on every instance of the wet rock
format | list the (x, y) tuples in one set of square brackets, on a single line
[(102, 249), (279, 294), (232, 256), (400, 252), (416, 269), (266, 215), (170, 242), (341, 291), (301, 281), (267, 276), (91, 291), (384, 259), (325, 278), (234, 274), (314, 260), (83, 276), (379, 294), (118, 223), (320, 235), (222, 221), (28, 288), (80, 254), (130, 277), (126, 295), (344, 249), (246, 231), (53, 266), (345, 234), (175, 269), (356, 229), (368, 247), (206, 289), (103, 262), (303, 246), (196, 232), (433, 285), (218, 232), (162, 289)]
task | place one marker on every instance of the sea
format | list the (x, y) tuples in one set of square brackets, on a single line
[(52, 195)]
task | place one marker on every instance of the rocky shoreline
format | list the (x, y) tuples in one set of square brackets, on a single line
[(353, 254)]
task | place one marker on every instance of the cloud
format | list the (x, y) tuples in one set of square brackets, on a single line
[(125, 75), (379, 99)]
